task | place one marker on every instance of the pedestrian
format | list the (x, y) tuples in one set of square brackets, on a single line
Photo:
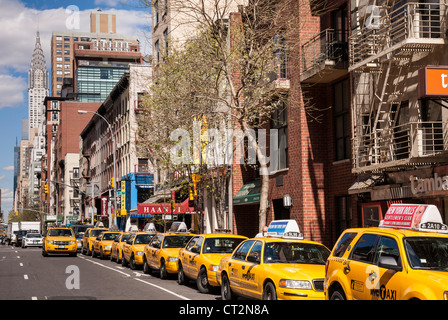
[(263, 233)]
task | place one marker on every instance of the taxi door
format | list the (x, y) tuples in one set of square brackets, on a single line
[(250, 272), (360, 268), (96, 243), (389, 267), (185, 254), (191, 258), (237, 265), (127, 247), (154, 249)]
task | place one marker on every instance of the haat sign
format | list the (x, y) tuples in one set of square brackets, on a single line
[(423, 217), (433, 81)]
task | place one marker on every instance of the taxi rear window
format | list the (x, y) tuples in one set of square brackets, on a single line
[(343, 244)]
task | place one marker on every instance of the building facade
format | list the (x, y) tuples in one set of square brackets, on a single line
[(97, 163)]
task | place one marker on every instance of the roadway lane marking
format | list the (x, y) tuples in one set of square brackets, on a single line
[(21, 264), (33, 298), (100, 264), (161, 288), (25, 276)]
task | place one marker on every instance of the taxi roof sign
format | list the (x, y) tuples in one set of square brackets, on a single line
[(421, 217), (284, 229)]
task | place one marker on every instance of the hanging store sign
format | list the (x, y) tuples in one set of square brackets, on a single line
[(433, 82), (428, 185), (104, 201)]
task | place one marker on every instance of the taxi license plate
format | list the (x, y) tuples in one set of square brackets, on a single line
[(61, 247)]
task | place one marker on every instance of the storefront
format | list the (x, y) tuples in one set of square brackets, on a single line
[(427, 185), (162, 214)]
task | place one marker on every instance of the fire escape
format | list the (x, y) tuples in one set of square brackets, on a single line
[(385, 52)]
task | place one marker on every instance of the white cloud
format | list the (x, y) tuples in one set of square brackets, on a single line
[(12, 90), (8, 168), (2, 177), (109, 3)]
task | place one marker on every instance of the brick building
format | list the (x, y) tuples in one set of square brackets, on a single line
[(312, 181)]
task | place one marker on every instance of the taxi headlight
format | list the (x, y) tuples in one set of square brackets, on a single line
[(213, 268), (72, 243), (295, 284), (139, 253), (50, 241), (108, 247), (171, 259)]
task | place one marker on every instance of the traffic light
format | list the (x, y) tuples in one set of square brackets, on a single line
[(46, 188)]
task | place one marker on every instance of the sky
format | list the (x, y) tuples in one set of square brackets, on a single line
[(19, 22)]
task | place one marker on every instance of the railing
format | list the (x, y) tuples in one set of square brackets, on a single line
[(327, 45), (415, 21), (411, 140)]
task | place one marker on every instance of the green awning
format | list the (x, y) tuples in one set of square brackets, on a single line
[(248, 194)]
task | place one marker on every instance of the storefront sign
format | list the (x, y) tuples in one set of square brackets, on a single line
[(164, 208), (104, 200), (433, 82), (437, 183)]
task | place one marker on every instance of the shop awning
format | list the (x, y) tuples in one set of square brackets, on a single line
[(150, 209), (364, 183), (248, 194)]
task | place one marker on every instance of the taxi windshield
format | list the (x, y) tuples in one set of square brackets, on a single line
[(110, 236), (221, 245), (427, 253), (176, 241), (60, 233), (96, 232), (295, 252), (143, 239)]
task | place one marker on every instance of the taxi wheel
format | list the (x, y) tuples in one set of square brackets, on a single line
[(337, 296), (202, 281), (162, 270), (44, 253), (123, 262), (226, 291), (269, 292), (132, 264), (89, 252), (146, 269), (101, 254), (93, 253), (180, 275)]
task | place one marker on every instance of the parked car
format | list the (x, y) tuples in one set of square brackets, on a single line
[(87, 239), (102, 245), (199, 260), (133, 249), (117, 246)]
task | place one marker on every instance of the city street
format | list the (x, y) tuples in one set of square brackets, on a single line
[(26, 275)]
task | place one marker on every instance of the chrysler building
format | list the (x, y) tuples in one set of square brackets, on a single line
[(37, 85)]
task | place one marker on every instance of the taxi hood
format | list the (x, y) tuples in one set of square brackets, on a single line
[(295, 271)]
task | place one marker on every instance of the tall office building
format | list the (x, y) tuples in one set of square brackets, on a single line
[(37, 85), (87, 65)]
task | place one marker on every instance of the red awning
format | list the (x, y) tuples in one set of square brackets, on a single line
[(164, 208)]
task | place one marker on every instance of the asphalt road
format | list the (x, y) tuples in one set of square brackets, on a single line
[(26, 275)]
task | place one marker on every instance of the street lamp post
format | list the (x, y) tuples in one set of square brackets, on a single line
[(111, 221)]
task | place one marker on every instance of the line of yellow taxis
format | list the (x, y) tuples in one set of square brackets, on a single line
[(406, 257)]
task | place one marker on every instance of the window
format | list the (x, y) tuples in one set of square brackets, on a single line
[(157, 50), (66, 51), (58, 38), (343, 213), (280, 54), (242, 251), (156, 11), (280, 122), (343, 244), (165, 38), (66, 66), (342, 123), (75, 173), (58, 65), (255, 252), (66, 45), (364, 250), (388, 247), (58, 59)]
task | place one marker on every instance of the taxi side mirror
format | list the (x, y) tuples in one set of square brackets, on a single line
[(389, 262), (253, 258)]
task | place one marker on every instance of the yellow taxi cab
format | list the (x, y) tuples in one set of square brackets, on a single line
[(117, 246), (133, 249), (102, 245), (60, 240), (88, 238), (200, 258), (162, 252), (280, 265), (405, 258)]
